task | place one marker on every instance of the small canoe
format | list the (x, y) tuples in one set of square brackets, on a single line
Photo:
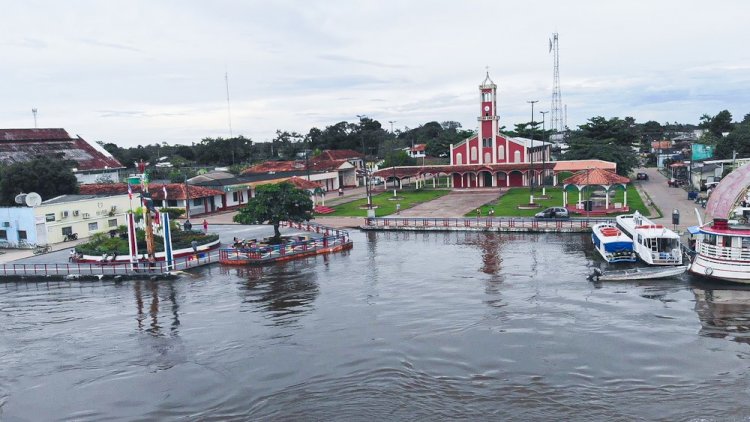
[(639, 273)]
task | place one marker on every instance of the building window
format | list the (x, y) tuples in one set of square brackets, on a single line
[(112, 222), (93, 226), (473, 153), (487, 157), (22, 235), (49, 217), (501, 152), (486, 142), (517, 156), (4, 234), (709, 239), (459, 159), (171, 202), (67, 230), (235, 197)]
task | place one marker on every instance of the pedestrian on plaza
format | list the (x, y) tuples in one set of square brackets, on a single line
[(187, 226), (492, 211), (341, 191), (205, 226), (479, 212), (398, 208)]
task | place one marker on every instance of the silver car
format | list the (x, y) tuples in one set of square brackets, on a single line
[(553, 212)]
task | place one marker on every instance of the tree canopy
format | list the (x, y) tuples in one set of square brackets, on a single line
[(275, 203), (47, 176), (609, 140)]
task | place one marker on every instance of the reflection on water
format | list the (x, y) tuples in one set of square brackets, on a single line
[(724, 312), (150, 288), (284, 292)]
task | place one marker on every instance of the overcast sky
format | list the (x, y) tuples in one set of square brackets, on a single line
[(139, 72)]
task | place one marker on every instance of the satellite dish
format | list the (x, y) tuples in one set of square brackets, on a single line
[(21, 198), (33, 199)]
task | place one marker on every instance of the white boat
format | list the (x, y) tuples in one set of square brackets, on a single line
[(612, 244), (640, 273), (654, 243), (722, 245)]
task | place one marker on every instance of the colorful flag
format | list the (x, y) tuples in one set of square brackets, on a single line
[(164, 188), (130, 192)]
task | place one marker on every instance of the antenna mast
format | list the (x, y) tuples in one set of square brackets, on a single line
[(557, 118), (229, 109), (34, 110)]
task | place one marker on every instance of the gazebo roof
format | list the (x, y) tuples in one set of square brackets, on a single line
[(596, 177)]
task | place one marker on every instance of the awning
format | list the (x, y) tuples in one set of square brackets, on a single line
[(694, 229)]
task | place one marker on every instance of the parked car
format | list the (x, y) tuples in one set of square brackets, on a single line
[(641, 176), (553, 212)]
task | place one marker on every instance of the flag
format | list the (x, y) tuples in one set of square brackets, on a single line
[(130, 192), (164, 188)]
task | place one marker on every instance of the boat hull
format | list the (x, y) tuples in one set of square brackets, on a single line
[(641, 273), (611, 244), (240, 258), (731, 271)]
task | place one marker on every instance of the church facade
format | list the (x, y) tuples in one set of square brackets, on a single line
[(491, 159)]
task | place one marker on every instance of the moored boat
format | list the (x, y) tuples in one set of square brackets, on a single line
[(722, 245), (654, 243), (639, 273), (612, 244)]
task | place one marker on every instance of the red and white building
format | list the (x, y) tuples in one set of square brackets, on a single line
[(491, 159)]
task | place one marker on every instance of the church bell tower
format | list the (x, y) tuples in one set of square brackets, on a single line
[(488, 120)]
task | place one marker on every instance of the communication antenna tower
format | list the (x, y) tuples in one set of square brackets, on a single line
[(33, 110), (229, 109), (557, 118)]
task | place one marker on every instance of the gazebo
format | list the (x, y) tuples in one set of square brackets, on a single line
[(596, 177)]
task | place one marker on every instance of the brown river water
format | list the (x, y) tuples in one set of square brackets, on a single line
[(405, 326)]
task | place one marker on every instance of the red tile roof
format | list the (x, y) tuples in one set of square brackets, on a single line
[(326, 165), (339, 154), (301, 183), (269, 166), (578, 165), (595, 177), (661, 144), (20, 145), (174, 190)]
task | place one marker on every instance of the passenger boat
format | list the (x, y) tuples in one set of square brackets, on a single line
[(722, 245), (612, 244), (640, 273), (654, 243)]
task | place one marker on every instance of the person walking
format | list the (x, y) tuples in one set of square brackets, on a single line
[(205, 226)]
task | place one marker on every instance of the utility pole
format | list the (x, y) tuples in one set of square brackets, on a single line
[(531, 152), (366, 172), (393, 156), (544, 153)]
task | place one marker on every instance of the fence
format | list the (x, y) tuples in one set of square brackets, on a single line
[(486, 223), (96, 269)]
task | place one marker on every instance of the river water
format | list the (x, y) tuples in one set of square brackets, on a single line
[(405, 326)]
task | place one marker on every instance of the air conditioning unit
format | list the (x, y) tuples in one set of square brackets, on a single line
[(86, 215), (6, 223), (63, 214), (76, 213)]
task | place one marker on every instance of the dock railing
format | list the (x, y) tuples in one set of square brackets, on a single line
[(481, 223)]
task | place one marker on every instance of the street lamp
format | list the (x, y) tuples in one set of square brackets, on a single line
[(364, 162), (531, 183), (544, 153), (393, 161)]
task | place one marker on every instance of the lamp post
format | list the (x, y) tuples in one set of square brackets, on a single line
[(393, 163), (531, 182), (366, 176), (544, 153)]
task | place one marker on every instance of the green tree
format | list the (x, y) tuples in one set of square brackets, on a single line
[(276, 203), (609, 140), (47, 176), (718, 124), (398, 158)]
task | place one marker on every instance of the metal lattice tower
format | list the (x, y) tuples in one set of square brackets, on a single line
[(556, 111)]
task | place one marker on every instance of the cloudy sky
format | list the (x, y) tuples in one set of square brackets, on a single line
[(139, 72)]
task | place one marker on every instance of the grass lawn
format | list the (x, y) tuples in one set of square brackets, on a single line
[(507, 205), (385, 203)]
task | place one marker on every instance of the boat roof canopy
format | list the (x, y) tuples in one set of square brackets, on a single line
[(727, 193)]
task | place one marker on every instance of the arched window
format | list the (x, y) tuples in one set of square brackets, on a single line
[(500, 152), (459, 159), (517, 156), (473, 153), (487, 157)]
